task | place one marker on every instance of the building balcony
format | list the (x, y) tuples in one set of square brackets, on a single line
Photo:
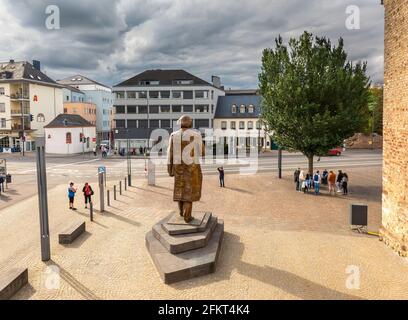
[(17, 127), (19, 97), (17, 112)]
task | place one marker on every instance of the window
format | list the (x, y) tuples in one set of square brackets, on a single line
[(201, 94), (250, 108), (176, 108), (250, 125), (2, 91), (188, 108), (242, 108), (65, 110), (120, 109), (120, 95), (142, 95), (2, 107), (202, 123), (183, 81), (224, 125), (164, 109), (165, 94), (40, 117), (120, 123), (187, 94), (242, 125), (68, 138), (149, 83), (131, 109), (67, 98), (3, 122), (131, 94), (201, 108), (132, 123), (165, 123), (176, 94), (154, 109), (258, 125), (143, 124), (154, 124), (142, 109), (154, 94), (232, 125)]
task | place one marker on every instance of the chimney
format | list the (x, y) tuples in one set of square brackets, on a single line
[(216, 81), (37, 65), (11, 60)]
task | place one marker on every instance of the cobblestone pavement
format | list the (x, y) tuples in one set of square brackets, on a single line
[(279, 244)]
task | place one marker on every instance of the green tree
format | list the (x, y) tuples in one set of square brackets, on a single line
[(313, 97), (375, 108)]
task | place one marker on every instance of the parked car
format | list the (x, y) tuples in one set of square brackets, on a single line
[(335, 151)]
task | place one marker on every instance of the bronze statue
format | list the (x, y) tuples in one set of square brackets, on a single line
[(183, 154)]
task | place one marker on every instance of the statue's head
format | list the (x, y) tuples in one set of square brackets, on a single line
[(185, 122)]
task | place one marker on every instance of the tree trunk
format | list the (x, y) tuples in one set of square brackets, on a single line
[(310, 158)]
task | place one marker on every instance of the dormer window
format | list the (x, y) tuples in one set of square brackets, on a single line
[(250, 108), (149, 83), (242, 109), (233, 108)]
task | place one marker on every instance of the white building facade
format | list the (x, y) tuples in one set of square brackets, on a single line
[(69, 134), (28, 101)]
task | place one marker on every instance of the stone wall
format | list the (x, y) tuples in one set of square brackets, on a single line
[(394, 231), (364, 141)]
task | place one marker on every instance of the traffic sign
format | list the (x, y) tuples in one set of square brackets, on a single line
[(101, 169)]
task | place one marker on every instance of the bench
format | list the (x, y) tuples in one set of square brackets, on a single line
[(12, 281), (70, 234)]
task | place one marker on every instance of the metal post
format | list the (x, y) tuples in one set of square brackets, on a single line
[(42, 200), (114, 192), (125, 184), (108, 197), (91, 210), (22, 125), (129, 161), (280, 162), (120, 187), (101, 191)]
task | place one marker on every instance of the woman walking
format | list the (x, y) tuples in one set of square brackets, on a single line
[(88, 193), (332, 182)]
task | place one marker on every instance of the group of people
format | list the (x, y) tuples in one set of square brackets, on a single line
[(86, 190), (305, 181)]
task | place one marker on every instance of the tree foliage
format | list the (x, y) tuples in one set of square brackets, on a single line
[(313, 97)]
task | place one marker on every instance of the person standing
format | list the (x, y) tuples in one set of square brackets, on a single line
[(301, 179), (94, 150), (338, 181), (344, 183), (88, 193), (296, 178), (71, 195), (316, 181), (221, 176), (325, 176), (332, 182)]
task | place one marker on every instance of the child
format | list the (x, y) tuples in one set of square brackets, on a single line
[(71, 195)]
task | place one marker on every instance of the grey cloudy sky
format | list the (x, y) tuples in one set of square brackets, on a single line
[(111, 41)]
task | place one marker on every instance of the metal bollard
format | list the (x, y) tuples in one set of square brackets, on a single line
[(108, 197), (120, 187), (114, 192), (91, 210), (125, 184)]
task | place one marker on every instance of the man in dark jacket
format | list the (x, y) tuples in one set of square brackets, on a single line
[(221, 173), (296, 179)]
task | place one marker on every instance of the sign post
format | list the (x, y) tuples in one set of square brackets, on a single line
[(101, 174), (42, 199)]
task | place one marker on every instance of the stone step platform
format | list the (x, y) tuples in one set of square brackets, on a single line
[(189, 264), (184, 242), (174, 228)]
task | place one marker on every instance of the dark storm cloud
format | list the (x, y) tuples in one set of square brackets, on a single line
[(113, 40)]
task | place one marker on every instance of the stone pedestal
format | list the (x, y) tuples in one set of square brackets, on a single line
[(181, 250)]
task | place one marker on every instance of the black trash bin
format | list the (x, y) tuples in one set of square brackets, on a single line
[(8, 178)]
